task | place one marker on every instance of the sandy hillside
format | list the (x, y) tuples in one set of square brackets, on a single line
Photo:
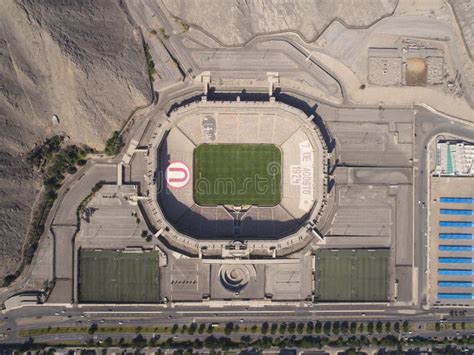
[(79, 60)]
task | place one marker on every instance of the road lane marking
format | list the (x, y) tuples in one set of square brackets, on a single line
[(347, 311), (122, 312), (227, 312)]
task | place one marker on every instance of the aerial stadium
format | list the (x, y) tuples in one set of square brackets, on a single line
[(237, 171)]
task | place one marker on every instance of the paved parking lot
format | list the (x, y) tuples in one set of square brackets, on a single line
[(451, 241)]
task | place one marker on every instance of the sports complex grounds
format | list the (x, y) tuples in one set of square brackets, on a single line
[(110, 276)]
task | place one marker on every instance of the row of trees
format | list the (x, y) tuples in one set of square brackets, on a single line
[(149, 61), (307, 341), (213, 343), (453, 325), (52, 160), (327, 328)]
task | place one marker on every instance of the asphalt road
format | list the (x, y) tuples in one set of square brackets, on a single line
[(132, 316), (172, 43), (34, 317)]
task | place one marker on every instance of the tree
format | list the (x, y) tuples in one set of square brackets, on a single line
[(211, 342), (370, 327), (114, 144), (300, 328), (309, 327), (192, 328), (184, 26), (245, 339), (7, 280), (197, 344), (317, 327), (374, 341), (389, 340), (253, 329), (291, 327), (97, 186), (327, 328), (379, 327), (229, 327), (405, 326), (266, 342), (336, 327), (108, 342), (273, 328), (396, 327), (344, 327), (364, 341), (139, 341), (388, 327), (93, 328), (163, 33), (201, 328), (153, 341), (353, 328), (264, 328), (72, 170)]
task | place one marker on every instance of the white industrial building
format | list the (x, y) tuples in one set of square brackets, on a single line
[(454, 158)]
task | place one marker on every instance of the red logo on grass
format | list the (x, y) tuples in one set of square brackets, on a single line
[(177, 175)]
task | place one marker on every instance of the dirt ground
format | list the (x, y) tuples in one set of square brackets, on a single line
[(416, 72)]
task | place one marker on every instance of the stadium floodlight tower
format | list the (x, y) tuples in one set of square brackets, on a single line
[(237, 178)]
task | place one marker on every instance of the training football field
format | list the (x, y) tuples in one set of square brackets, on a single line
[(237, 174), (110, 276), (352, 275)]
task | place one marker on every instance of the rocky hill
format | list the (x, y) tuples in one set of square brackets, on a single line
[(234, 22), (80, 60)]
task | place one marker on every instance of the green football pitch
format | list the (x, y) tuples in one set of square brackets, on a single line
[(110, 276), (237, 174), (352, 275)]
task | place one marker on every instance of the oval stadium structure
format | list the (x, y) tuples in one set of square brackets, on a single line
[(237, 171)]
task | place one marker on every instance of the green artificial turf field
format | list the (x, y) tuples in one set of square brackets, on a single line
[(111, 276), (237, 174), (352, 275)]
